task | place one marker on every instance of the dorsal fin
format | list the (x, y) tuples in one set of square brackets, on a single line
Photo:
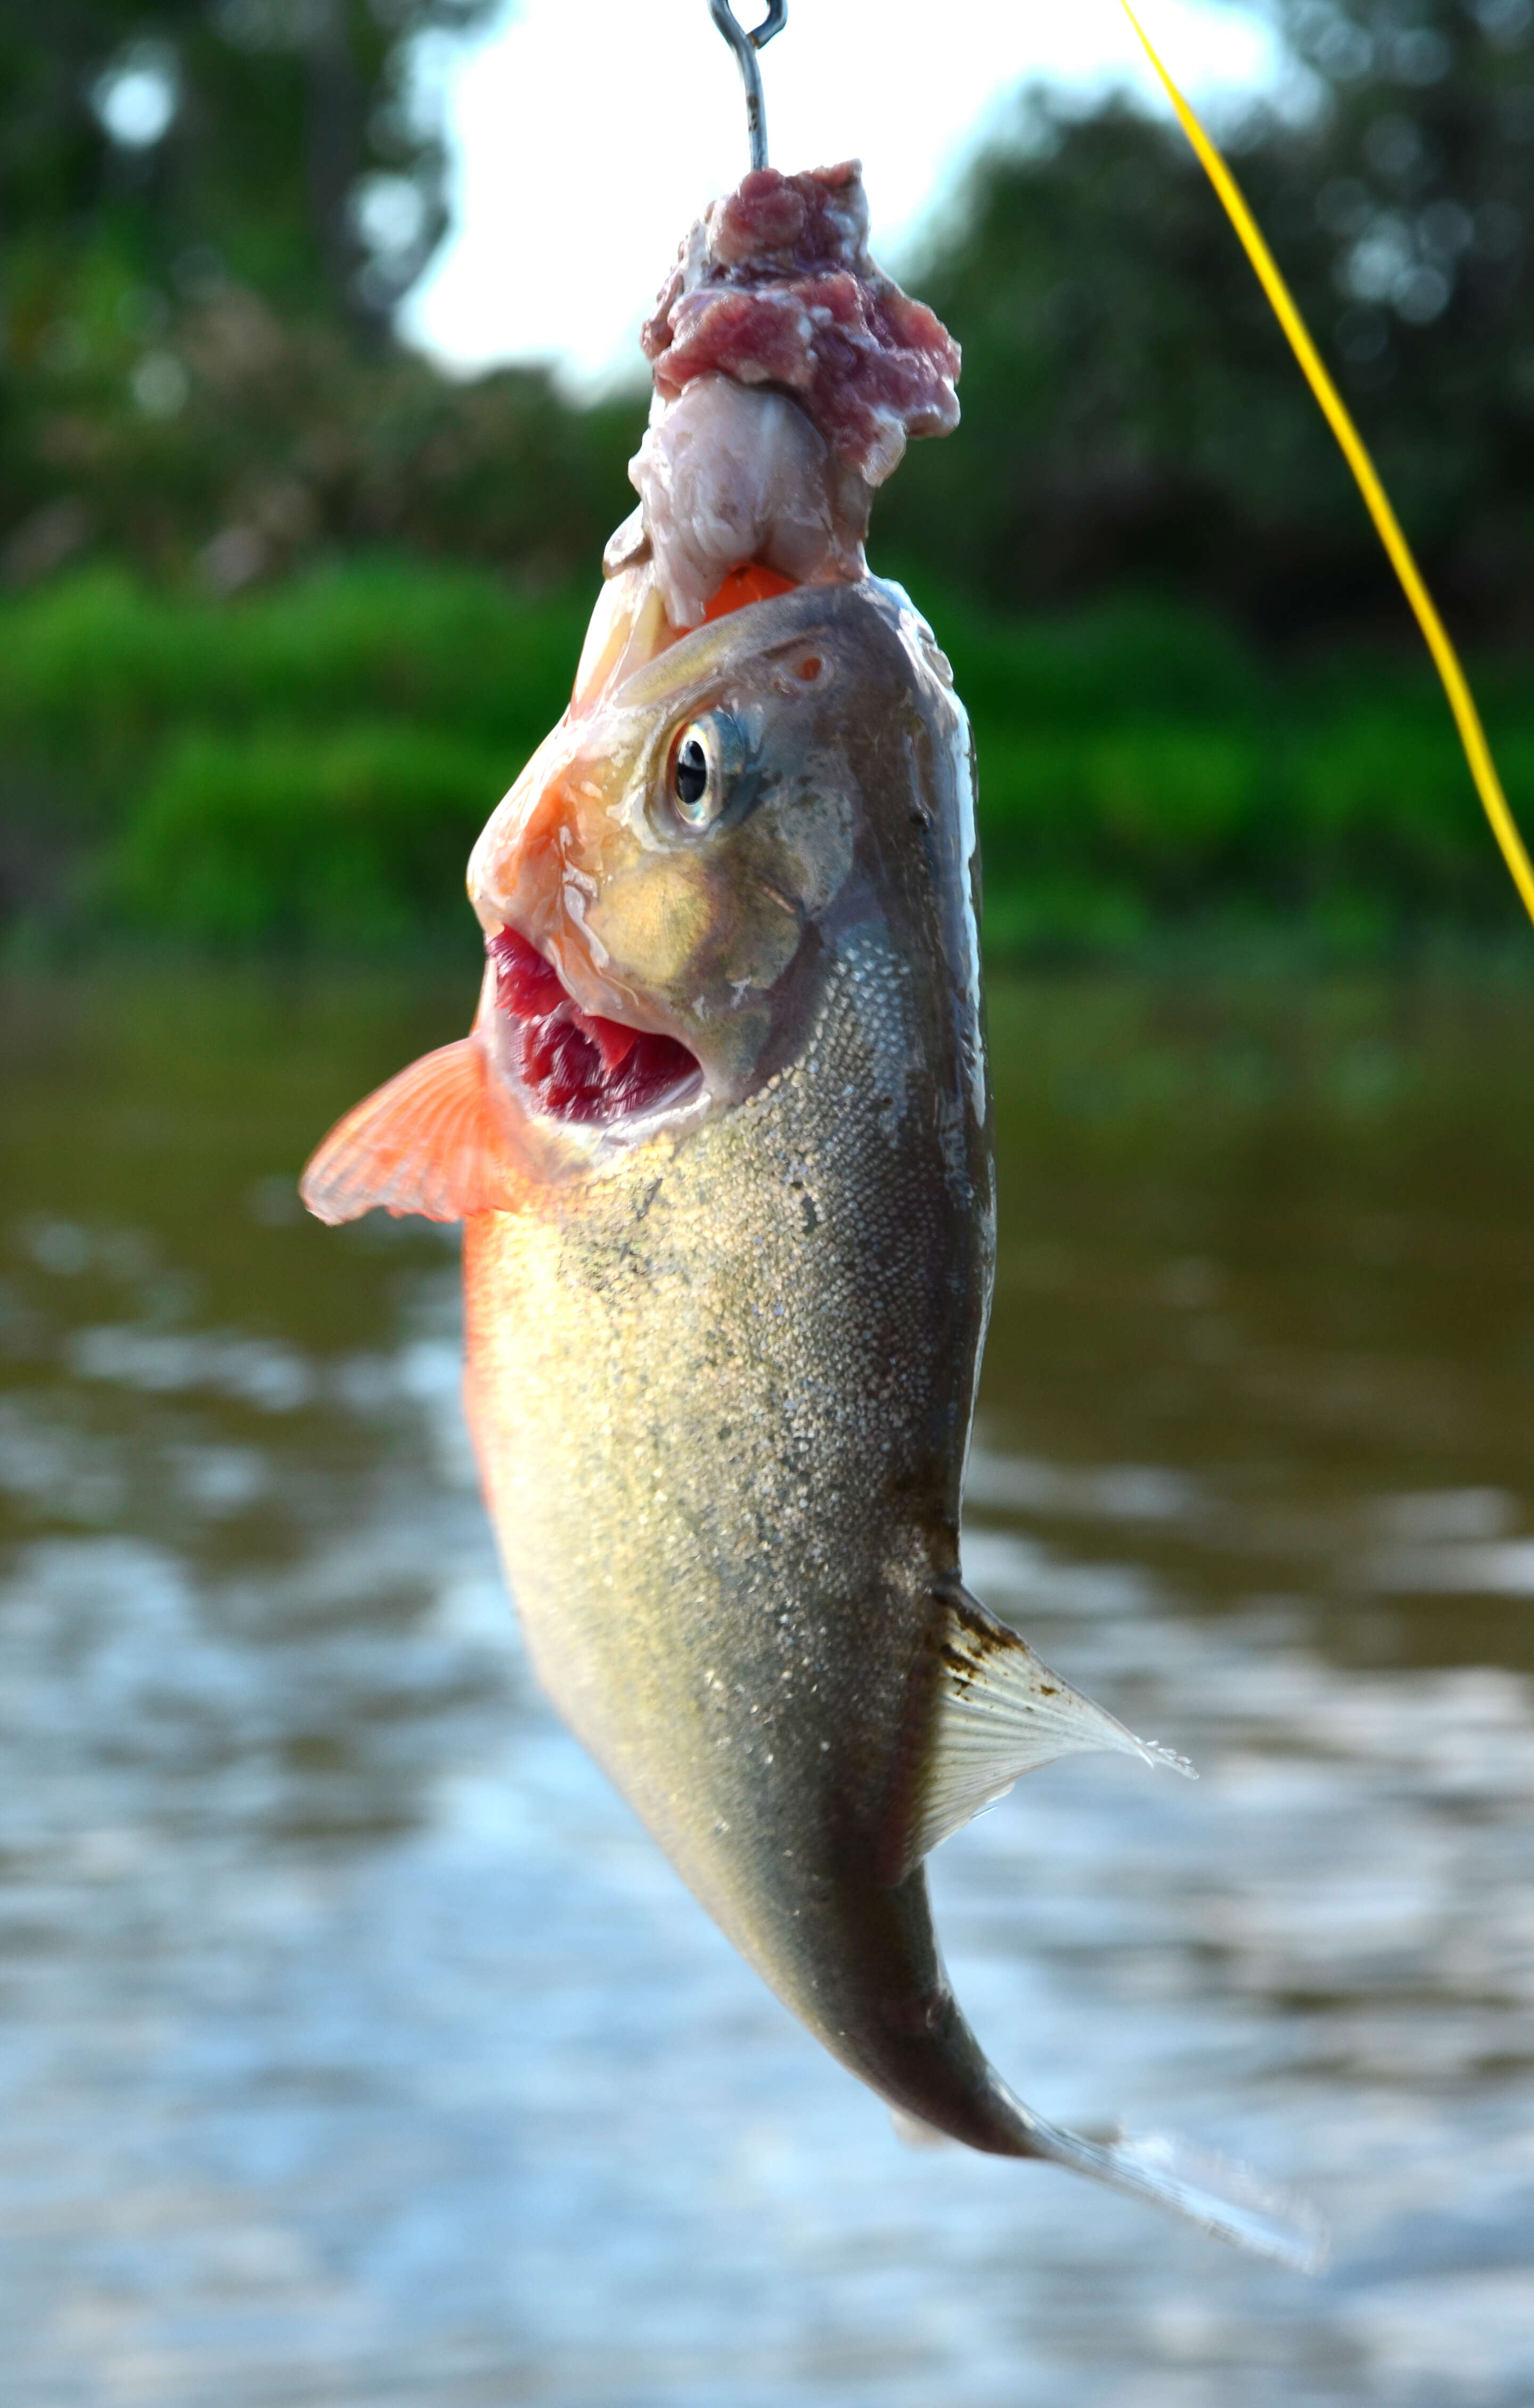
[(427, 1143), (998, 1713)]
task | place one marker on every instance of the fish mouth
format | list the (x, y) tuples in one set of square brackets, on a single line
[(575, 1064)]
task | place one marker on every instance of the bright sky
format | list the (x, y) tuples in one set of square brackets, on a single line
[(587, 134)]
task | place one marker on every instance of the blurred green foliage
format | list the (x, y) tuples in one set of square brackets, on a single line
[(282, 609), (276, 143), (1130, 408), (309, 764), (357, 837), (196, 369), (208, 210)]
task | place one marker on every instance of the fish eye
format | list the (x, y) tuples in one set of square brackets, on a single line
[(706, 757)]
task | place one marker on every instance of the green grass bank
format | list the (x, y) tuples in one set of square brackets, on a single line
[(307, 767)]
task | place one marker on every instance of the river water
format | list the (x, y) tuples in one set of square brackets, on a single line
[(356, 2048)]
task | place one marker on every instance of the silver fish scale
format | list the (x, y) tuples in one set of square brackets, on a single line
[(731, 1386)]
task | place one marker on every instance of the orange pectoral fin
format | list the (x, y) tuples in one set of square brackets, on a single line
[(427, 1143)]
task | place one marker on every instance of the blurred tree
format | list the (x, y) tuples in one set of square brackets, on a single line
[(278, 143), (1131, 406), (208, 211)]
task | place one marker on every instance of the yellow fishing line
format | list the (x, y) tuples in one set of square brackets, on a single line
[(1488, 785)]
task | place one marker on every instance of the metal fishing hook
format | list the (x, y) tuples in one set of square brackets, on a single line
[(745, 47)]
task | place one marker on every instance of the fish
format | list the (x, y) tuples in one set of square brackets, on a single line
[(721, 1141)]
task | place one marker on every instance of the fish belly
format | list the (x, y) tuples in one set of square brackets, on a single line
[(719, 1401)]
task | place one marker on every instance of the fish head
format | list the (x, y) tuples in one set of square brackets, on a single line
[(669, 877), (725, 826)]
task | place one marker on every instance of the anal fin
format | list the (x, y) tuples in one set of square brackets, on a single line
[(913, 2133), (427, 1142), (998, 1712)]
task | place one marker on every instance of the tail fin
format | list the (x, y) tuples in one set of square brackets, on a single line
[(1220, 2196)]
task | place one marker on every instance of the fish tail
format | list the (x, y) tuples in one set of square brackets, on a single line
[(1217, 2194), (950, 2091)]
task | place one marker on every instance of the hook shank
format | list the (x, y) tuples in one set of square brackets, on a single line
[(745, 47)]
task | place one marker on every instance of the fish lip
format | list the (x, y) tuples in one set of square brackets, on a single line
[(570, 1067)]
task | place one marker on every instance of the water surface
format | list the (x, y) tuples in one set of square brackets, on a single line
[(357, 2049)]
